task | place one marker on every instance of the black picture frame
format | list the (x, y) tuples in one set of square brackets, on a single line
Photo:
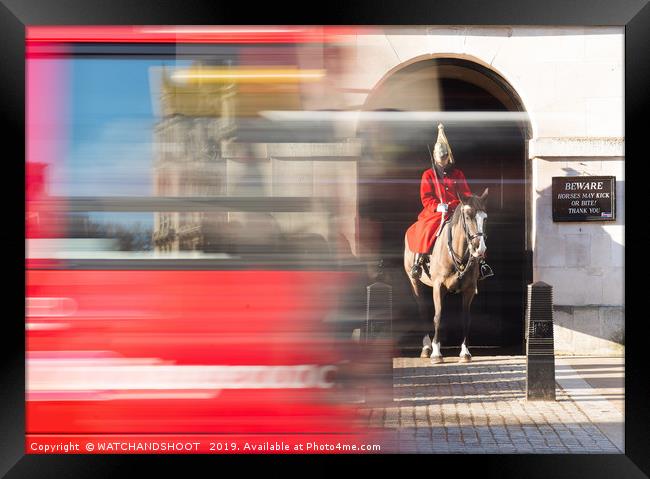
[(634, 15)]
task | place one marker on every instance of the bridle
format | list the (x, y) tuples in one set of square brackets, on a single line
[(462, 265)]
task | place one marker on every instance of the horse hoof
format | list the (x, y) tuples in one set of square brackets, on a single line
[(436, 359), (426, 352), (465, 359)]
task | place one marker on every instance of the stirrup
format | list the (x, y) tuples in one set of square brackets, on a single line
[(416, 269), (486, 271)]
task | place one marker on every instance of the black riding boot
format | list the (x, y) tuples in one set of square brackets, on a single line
[(486, 271), (416, 269)]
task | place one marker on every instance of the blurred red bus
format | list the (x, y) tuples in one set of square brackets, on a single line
[(175, 295)]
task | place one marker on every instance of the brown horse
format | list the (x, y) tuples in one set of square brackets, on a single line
[(453, 268)]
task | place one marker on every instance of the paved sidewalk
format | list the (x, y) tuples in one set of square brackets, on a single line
[(480, 407)]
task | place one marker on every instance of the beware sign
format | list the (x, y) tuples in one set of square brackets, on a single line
[(584, 198)]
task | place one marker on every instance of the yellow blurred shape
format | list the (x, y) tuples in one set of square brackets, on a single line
[(247, 75), (233, 91)]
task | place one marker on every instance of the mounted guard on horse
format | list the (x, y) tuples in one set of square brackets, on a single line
[(440, 191), (457, 263)]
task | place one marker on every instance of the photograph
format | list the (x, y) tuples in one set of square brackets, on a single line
[(262, 235), (325, 239)]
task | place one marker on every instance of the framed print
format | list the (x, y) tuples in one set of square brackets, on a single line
[(388, 231)]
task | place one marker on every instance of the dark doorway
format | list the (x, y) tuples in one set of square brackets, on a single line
[(490, 153)]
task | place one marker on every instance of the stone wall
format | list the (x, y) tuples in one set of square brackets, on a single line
[(583, 261), (571, 83), (570, 79), (589, 330)]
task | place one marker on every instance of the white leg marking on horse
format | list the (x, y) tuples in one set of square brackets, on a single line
[(435, 350), (464, 351)]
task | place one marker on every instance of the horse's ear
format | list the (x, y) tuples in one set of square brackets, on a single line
[(484, 195)]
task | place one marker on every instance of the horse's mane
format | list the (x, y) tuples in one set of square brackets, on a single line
[(474, 201), (456, 217)]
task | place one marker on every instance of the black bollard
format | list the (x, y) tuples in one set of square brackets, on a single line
[(540, 350), (378, 343), (379, 311)]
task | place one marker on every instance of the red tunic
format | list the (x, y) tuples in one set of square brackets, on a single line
[(433, 191)]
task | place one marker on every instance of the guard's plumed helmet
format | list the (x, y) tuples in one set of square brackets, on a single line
[(442, 145)]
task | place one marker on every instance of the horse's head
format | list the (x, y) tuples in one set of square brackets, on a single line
[(475, 215)]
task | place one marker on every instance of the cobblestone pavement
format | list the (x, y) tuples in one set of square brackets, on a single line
[(480, 407)]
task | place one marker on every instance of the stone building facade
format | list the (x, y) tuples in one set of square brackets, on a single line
[(570, 83), (200, 155), (195, 121)]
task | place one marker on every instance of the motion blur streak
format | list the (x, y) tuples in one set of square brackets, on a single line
[(97, 377), (200, 34), (430, 117), (193, 266), (137, 340), (248, 75)]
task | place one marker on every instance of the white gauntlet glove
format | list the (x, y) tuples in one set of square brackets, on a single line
[(442, 208)]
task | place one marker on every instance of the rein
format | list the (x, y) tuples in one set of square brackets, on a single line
[(460, 266)]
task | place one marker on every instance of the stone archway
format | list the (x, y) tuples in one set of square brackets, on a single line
[(492, 154)]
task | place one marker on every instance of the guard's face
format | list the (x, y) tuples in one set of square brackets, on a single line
[(441, 155)]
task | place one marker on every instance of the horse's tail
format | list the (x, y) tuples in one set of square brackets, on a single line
[(408, 255), (407, 248)]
